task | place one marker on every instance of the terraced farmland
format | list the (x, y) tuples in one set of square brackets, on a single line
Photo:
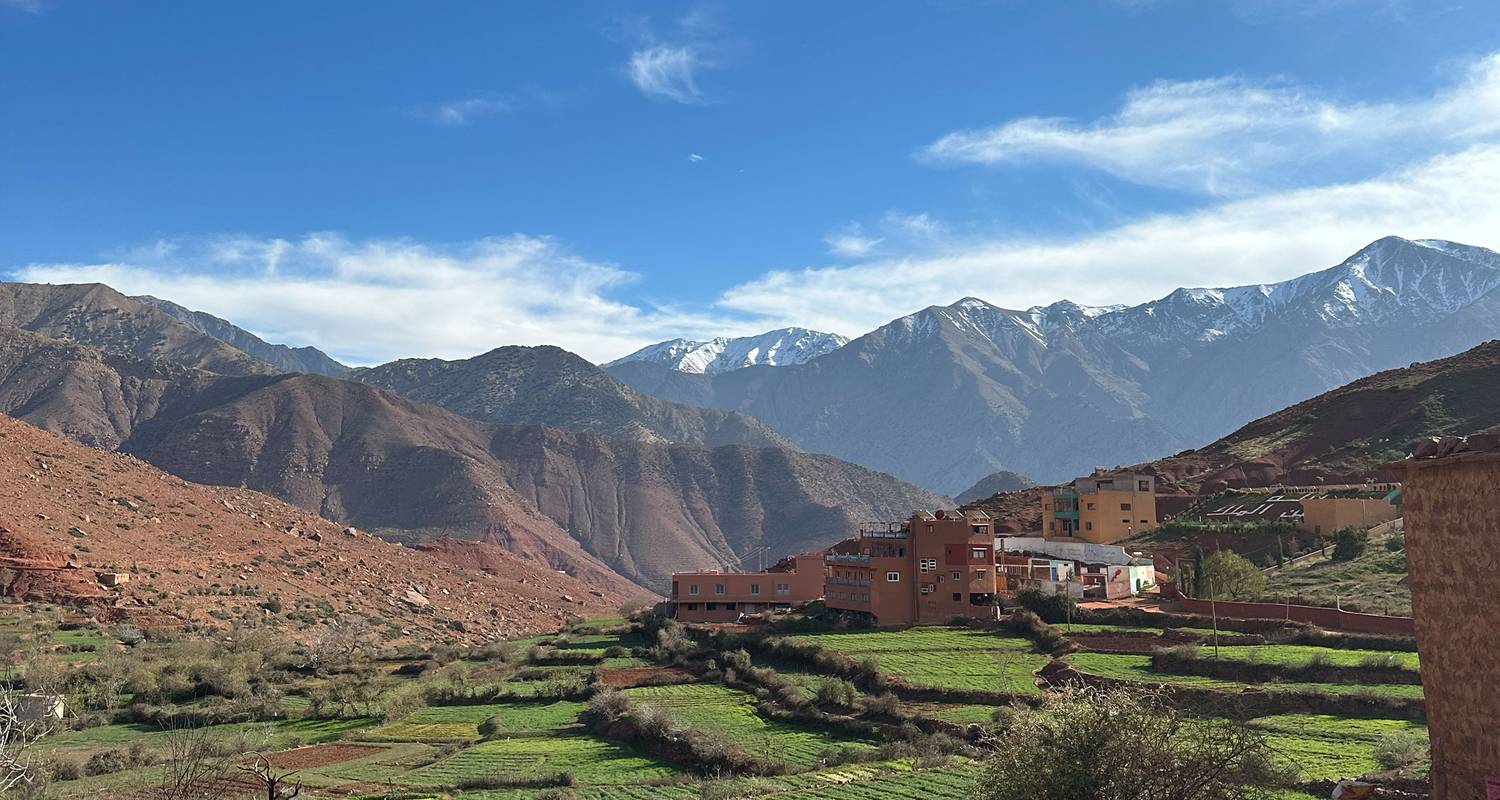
[(712, 708), (584, 757), (1138, 668), (1298, 655), (944, 657), (461, 723)]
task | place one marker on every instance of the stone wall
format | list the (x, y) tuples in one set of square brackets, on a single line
[(1331, 618), (1452, 509)]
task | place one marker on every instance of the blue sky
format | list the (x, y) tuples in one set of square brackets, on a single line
[(385, 179)]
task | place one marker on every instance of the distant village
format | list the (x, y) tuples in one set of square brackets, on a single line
[(1093, 544)]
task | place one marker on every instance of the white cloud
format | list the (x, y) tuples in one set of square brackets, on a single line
[(1271, 237), (694, 157), (1233, 137), (371, 301), (461, 112), (851, 244), (667, 72)]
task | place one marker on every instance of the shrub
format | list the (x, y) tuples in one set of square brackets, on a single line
[(1228, 575), (106, 762), (1396, 543), (836, 692), (1398, 750), (1382, 661), (1349, 543), (490, 727), (1052, 608)]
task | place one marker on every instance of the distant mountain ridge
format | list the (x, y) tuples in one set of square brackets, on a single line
[(778, 348), (290, 359), (949, 394)]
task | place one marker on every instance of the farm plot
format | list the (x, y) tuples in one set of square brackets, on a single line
[(461, 723), (944, 658), (956, 713), (717, 709), (1331, 747), (1298, 655), (1138, 668), (586, 759), (862, 782)]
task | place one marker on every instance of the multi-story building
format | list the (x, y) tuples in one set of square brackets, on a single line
[(713, 596), (1102, 508), (925, 570), (1452, 533)]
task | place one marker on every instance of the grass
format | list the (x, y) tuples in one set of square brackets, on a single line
[(587, 759), (1372, 581), (1298, 655), (947, 658), (1330, 747), (1138, 669), (461, 723), (712, 708), (958, 714)]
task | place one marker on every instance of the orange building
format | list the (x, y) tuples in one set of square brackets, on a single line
[(926, 570), (713, 596), (1103, 508), (1328, 514)]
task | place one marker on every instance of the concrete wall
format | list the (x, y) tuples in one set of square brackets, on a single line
[(1453, 548), (1327, 515)]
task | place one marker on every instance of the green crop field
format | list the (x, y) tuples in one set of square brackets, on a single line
[(944, 657), (1138, 668), (958, 714), (717, 709), (1331, 747), (1298, 655), (587, 759), (461, 723)]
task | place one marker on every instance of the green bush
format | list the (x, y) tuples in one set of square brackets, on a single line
[(1229, 576), (1350, 543), (1398, 750), (1052, 608)]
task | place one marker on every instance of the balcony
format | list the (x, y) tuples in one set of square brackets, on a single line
[(847, 581), (846, 558)]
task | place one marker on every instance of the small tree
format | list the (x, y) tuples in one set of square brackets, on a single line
[(276, 785), (1094, 744), (1349, 543), (1228, 575), (19, 730), (194, 766)]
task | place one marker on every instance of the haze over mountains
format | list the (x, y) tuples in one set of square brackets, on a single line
[(949, 394)]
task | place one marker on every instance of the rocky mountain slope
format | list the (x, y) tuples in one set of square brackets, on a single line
[(223, 556), (287, 359), (360, 455), (98, 316), (1002, 481), (949, 394), (551, 386), (781, 347), (1347, 434)]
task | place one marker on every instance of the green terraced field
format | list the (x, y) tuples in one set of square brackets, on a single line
[(946, 658), (104, 736), (718, 709), (1298, 654), (461, 723), (1325, 746), (1138, 668), (959, 714), (587, 759)]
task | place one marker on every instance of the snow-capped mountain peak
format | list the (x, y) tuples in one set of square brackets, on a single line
[(778, 348)]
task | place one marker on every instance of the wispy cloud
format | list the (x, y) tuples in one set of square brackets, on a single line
[(694, 158), (465, 110), (1234, 136), (851, 243), (667, 72), (373, 300)]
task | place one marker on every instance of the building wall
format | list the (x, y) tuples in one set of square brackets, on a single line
[(1110, 507), (932, 574), (733, 593), (1453, 548), (1326, 515)]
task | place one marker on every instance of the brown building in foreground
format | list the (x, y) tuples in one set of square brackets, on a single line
[(925, 570), (1102, 508), (1453, 549), (713, 596)]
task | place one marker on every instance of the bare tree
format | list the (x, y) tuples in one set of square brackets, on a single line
[(195, 766), (21, 725), (277, 786)]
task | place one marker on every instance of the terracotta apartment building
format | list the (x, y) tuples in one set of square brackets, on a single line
[(713, 596), (1452, 535), (1102, 508), (925, 570)]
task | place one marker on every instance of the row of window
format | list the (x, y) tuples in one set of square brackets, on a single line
[(710, 606), (781, 588), (852, 597)]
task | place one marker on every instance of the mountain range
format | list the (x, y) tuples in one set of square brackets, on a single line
[(949, 394), (779, 348), (591, 504)]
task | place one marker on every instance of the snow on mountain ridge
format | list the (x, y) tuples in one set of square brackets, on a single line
[(781, 347)]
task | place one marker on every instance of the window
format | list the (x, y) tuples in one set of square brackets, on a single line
[(1091, 506), (1124, 522), (979, 553), (926, 588), (927, 564), (1088, 526), (754, 588), (1145, 522), (729, 606), (692, 588), (957, 596), (1124, 506), (865, 598), (692, 606), (718, 588), (783, 588), (958, 576), (981, 574), (711, 606), (1144, 486), (1046, 506), (893, 577)]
